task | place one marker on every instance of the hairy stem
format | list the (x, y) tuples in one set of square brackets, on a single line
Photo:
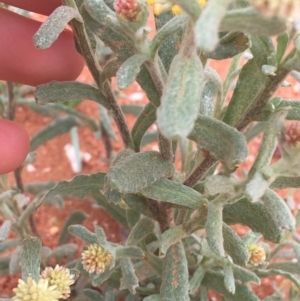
[(95, 69)]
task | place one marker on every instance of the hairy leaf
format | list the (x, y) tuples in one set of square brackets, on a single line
[(58, 127), (138, 171), (222, 141), (181, 97), (79, 186), (54, 92), (54, 25), (173, 192), (30, 256), (129, 70), (175, 286)]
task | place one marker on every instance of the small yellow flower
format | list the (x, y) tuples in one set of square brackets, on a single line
[(32, 291), (61, 278), (96, 259), (257, 254)]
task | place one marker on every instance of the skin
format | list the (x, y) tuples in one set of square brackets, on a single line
[(21, 62)]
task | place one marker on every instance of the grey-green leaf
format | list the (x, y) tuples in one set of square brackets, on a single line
[(222, 141), (138, 171), (79, 186), (229, 279), (196, 279), (254, 215), (30, 256), (58, 127), (54, 25), (175, 285), (215, 281), (77, 217), (83, 234), (173, 192), (141, 230), (213, 227), (207, 26), (180, 101), (54, 92), (4, 230), (234, 246), (249, 21), (129, 70), (129, 280), (279, 210)]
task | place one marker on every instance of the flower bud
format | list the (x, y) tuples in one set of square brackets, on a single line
[(257, 254), (128, 9), (96, 259), (284, 8), (292, 133)]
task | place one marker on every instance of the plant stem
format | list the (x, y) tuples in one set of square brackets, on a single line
[(95, 69), (262, 98), (200, 170)]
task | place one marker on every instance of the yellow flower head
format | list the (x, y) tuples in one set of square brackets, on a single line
[(96, 259), (162, 6), (32, 291), (61, 278), (257, 254)]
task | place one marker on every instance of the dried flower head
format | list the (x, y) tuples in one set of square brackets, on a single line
[(96, 259), (257, 254), (292, 133), (162, 6), (32, 291), (61, 277), (128, 9), (285, 8)]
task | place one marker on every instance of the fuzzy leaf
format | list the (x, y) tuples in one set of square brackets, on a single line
[(93, 295), (229, 279), (141, 230), (279, 210), (129, 70), (138, 171), (207, 26), (244, 275), (9, 244), (54, 25), (180, 101), (83, 234), (229, 45), (254, 215), (99, 279), (15, 261), (234, 246), (215, 281), (171, 237), (152, 298), (213, 227), (4, 230), (30, 256), (68, 250), (251, 82), (79, 186), (249, 21), (175, 286), (76, 217), (4, 265), (222, 141), (58, 127), (129, 280), (196, 279), (165, 190), (133, 252), (286, 182), (145, 119), (54, 92), (139, 204)]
